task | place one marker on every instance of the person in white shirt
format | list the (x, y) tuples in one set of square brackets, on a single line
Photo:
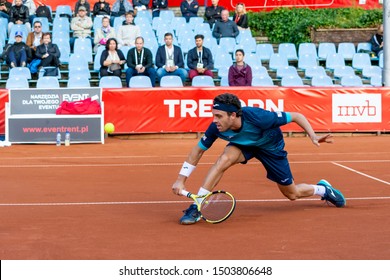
[(81, 26), (128, 31)]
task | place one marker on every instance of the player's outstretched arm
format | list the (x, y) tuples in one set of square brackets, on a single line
[(188, 166), (304, 123)]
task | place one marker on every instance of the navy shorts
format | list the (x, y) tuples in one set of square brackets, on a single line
[(274, 161)]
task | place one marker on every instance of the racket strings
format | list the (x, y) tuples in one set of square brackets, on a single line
[(217, 207)]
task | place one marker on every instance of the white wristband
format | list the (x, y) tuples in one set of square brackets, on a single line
[(187, 169)]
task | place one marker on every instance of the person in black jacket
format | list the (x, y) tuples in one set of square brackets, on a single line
[(240, 16), (213, 12), (5, 8), (83, 3), (199, 59), (377, 41), (19, 53), (140, 62), (141, 4), (19, 14), (48, 53), (189, 8), (112, 59), (157, 6), (101, 8)]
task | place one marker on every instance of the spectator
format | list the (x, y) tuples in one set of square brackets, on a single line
[(83, 3), (19, 53), (377, 41), (111, 60), (140, 5), (81, 26), (47, 52), (140, 62), (240, 16), (189, 9), (34, 38), (128, 31), (213, 12), (101, 8), (157, 6), (19, 14), (121, 7), (5, 8), (225, 27), (103, 34), (169, 59), (199, 59), (31, 9), (240, 73)]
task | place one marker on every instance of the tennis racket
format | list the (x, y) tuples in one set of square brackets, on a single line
[(214, 207)]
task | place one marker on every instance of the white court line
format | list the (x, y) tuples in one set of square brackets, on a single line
[(361, 173), (171, 202), (167, 164)]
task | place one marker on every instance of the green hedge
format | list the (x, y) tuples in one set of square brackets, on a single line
[(293, 24)]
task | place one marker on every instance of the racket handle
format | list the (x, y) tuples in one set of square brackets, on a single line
[(185, 193)]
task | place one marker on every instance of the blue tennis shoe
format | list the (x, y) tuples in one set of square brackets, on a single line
[(332, 195), (191, 215)]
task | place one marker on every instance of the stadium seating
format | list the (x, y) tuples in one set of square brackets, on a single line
[(78, 82), (110, 82), (140, 82), (16, 82), (262, 81), (48, 82), (171, 81), (203, 81)]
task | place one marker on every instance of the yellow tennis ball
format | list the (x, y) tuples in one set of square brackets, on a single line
[(109, 128)]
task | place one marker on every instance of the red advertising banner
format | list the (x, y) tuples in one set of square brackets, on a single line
[(3, 100), (189, 109), (254, 5)]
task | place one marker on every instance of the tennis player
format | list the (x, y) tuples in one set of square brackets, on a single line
[(252, 133)]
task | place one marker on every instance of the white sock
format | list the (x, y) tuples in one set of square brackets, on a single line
[(202, 191), (319, 190)]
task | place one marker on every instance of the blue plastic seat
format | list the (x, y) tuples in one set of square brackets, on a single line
[(307, 61), (21, 72), (342, 71), (262, 81), (16, 82), (222, 72), (222, 60), (195, 21), (291, 81), (48, 82), (228, 43), (347, 50), (286, 71), (264, 51), (167, 15), (288, 50), (376, 81), (321, 81), (259, 70), (324, 49), (334, 60), (351, 81), (78, 82), (110, 82), (224, 81), (315, 71), (64, 10), (277, 61), (252, 60), (361, 60), (364, 46), (307, 48), (203, 81), (171, 81), (140, 82), (370, 71), (77, 61)]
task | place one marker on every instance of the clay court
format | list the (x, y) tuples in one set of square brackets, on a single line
[(114, 201)]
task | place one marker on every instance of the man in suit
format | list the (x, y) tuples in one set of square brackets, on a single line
[(169, 59), (140, 62)]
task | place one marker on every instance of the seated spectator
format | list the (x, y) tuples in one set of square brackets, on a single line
[(19, 14), (81, 26), (128, 31), (140, 62), (213, 13), (47, 52), (121, 7), (377, 41), (34, 38), (240, 16), (31, 9), (83, 3), (157, 6), (199, 59), (140, 5), (43, 11), (225, 27), (169, 59), (5, 8), (19, 53), (189, 9), (240, 73), (103, 34), (101, 8), (111, 60)]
